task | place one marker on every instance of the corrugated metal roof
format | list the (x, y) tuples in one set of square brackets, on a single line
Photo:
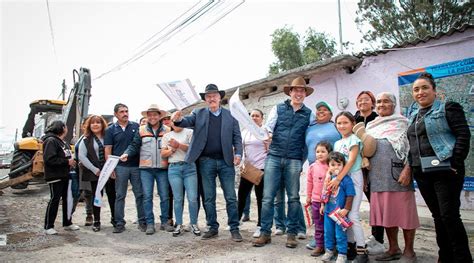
[(417, 41)]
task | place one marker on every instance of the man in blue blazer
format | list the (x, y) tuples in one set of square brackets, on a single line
[(217, 146)]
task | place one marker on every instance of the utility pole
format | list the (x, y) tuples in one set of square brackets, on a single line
[(63, 91), (340, 26)]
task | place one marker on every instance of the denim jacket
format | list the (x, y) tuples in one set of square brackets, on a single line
[(439, 133)]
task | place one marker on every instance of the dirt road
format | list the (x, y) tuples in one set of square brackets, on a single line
[(22, 216)]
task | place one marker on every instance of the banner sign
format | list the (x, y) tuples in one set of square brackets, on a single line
[(438, 71), (181, 93), (105, 173), (239, 112)]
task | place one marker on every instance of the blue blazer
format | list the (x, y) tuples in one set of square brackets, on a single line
[(231, 139)]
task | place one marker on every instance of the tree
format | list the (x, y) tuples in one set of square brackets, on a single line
[(290, 53), (395, 22), (318, 46)]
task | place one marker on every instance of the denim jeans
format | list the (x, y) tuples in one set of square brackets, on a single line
[(333, 232), (148, 177), (281, 221), (184, 174), (123, 175), (279, 171), (210, 169)]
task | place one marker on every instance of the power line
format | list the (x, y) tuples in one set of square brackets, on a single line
[(51, 29), (172, 22), (206, 28), (156, 43)]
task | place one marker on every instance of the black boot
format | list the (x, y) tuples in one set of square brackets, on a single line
[(351, 251)]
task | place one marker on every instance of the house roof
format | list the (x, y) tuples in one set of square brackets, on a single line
[(340, 62), (348, 62), (416, 41)]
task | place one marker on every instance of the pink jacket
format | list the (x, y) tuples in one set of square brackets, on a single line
[(315, 180)]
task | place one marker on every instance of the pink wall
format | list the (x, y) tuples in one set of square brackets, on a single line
[(379, 73)]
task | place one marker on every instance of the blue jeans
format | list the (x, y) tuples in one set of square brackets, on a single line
[(334, 236), (281, 220), (280, 171), (210, 169), (148, 177), (184, 174), (123, 175)]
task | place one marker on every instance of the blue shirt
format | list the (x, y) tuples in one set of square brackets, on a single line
[(338, 199), (317, 133), (119, 139)]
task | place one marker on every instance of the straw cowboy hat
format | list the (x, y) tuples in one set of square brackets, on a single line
[(299, 82), (212, 88), (153, 108)]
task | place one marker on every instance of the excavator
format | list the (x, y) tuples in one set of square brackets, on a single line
[(27, 161)]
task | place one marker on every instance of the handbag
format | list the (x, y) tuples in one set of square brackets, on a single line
[(251, 173), (430, 164)]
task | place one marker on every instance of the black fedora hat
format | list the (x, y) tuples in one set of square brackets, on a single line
[(212, 88)]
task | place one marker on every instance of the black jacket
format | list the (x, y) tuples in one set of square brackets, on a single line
[(88, 175), (56, 155), (360, 118)]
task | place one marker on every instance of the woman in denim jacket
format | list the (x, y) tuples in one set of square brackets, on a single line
[(440, 129)]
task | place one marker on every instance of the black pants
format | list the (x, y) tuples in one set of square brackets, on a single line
[(111, 195), (58, 191), (245, 187), (441, 192), (95, 209)]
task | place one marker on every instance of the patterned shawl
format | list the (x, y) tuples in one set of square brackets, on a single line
[(394, 129)]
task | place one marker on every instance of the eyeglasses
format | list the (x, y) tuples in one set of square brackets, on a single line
[(364, 100)]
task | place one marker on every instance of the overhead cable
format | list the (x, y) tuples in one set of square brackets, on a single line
[(150, 47)]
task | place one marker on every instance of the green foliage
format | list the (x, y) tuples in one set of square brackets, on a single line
[(291, 53), (394, 22)]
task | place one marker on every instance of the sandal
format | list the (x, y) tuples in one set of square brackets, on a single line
[(389, 257)]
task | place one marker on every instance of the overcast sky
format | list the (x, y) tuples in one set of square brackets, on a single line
[(101, 34)]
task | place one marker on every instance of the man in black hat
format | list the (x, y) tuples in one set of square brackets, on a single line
[(217, 147)]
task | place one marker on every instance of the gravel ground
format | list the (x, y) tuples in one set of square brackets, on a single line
[(22, 216)]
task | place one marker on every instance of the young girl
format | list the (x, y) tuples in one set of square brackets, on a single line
[(350, 146), (341, 197), (315, 181)]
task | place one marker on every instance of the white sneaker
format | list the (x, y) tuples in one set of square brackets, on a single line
[(279, 232), (376, 248), (370, 241), (51, 231), (257, 233), (328, 255), (301, 235), (72, 227), (341, 258)]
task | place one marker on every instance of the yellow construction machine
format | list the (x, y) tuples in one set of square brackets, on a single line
[(27, 161)]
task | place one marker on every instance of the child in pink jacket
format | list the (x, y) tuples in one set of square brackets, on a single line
[(315, 181)]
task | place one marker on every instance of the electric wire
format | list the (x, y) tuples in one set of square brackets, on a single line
[(205, 29), (156, 43)]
